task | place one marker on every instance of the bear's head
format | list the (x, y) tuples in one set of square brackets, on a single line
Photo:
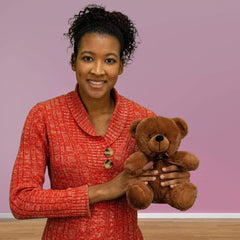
[(158, 136)]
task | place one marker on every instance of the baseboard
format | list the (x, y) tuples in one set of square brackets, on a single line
[(6, 215), (188, 215), (168, 215)]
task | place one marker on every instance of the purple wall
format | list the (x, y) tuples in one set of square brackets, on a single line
[(188, 65)]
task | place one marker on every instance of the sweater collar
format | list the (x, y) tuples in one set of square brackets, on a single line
[(81, 117)]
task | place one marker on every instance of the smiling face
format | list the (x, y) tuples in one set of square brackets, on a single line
[(97, 65)]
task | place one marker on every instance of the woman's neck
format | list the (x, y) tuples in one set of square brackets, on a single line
[(94, 107), (100, 112)]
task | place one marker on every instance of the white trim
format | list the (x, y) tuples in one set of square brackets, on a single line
[(188, 215), (6, 215), (168, 215)]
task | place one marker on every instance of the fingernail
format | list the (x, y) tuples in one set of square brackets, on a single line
[(148, 166), (162, 176), (162, 183), (164, 169), (153, 178), (146, 183), (155, 172)]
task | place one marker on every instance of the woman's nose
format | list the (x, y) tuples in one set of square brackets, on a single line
[(97, 69)]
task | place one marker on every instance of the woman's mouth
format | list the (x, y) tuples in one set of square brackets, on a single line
[(96, 84)]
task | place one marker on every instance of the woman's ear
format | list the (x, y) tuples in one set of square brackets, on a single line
[(73, 62)]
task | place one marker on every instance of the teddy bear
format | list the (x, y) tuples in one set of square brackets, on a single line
[(158, 139)]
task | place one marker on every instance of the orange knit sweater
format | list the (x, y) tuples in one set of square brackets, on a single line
[(58, 134)]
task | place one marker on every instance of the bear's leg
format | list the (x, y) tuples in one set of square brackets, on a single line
[(139, 195), (182, 196)]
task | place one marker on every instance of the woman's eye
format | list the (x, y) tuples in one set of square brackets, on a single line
[(87, 59), (110, 60)]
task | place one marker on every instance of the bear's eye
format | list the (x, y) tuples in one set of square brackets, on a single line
[(150, 136), (164, 134)]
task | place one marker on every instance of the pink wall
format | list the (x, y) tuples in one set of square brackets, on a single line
[(188, 65)]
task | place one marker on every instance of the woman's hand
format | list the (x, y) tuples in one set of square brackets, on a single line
[(172, 176), (118, 185)]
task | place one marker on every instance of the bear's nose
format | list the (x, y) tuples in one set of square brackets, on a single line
[(159, 138)]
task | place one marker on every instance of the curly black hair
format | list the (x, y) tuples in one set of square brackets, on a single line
[(95, 18)]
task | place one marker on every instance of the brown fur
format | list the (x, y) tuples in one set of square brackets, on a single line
[(158, 139)]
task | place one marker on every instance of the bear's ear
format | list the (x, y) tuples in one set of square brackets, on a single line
[(133, 126), (182, 125)]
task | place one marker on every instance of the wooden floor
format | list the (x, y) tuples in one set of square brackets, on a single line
[(153, 229)]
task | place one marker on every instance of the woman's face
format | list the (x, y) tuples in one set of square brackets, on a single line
[(97, 65)]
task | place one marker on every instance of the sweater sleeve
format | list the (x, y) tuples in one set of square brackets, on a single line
[(28, 199)]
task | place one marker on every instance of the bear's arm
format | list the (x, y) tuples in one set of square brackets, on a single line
[(186, 160), (135, 163)]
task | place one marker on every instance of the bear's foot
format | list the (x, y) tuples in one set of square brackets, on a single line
[(182, 196), (139, 195)]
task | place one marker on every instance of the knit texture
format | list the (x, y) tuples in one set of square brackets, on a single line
[(58, 134)]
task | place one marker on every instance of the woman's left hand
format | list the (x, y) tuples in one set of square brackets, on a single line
[(173, 176)]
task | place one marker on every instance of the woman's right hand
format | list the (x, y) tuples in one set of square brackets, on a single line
[(118, 185)]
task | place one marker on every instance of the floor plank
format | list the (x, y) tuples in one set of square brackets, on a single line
[(153, 229), (21, 229), (194, 229)]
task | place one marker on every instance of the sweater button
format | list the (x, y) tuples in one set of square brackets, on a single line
[(108, 163), (108, 152)]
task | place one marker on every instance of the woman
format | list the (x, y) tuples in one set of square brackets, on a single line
[(82, 137)]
